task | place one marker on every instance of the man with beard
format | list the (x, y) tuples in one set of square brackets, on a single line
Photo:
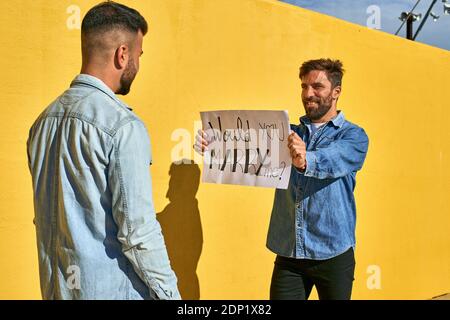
[(89, 157), (312, 226)]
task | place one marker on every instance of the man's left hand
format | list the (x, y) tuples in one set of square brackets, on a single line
[(297, 148)]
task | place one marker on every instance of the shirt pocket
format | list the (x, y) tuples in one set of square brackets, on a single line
[(324, 142)]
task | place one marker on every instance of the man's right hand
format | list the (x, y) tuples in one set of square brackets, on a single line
[(201, 142)]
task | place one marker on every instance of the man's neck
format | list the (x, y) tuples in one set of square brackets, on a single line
[(106, 79)]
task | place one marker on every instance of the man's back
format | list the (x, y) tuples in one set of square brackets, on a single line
[(97, 235)]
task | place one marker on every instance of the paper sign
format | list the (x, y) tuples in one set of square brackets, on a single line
[(247, 147)]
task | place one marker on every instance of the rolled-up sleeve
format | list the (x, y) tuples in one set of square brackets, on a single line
[(340, 157), (138, 229)]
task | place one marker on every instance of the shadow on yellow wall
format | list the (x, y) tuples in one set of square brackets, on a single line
[(182, 226)]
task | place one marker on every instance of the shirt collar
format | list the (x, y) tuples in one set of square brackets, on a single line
[(88, 80), (338, 120)]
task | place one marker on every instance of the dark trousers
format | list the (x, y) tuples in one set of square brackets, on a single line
[(293, 279)]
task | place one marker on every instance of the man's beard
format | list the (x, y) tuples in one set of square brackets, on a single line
[(323, 105), (127, 78)]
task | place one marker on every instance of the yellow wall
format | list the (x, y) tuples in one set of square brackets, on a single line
[(218, 54)]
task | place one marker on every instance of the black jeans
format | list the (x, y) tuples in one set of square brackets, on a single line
[(293, 279)]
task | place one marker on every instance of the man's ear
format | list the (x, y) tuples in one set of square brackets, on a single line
[(121, 57), (336, 92)]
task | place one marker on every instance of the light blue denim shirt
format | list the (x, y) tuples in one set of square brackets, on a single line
[(97, 233), (315, 217)]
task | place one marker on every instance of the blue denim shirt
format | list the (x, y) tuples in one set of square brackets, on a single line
[(97, 233), (315, 217)]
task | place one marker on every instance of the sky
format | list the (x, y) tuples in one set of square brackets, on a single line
[(436, 34)]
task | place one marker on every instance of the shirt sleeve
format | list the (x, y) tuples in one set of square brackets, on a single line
[(132, 204), (340, 158)]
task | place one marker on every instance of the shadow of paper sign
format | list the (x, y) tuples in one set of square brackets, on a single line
[(247, 147)]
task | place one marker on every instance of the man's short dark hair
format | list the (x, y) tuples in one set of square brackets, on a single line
[(333, 69), (110, 15)]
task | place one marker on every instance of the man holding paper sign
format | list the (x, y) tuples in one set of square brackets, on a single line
[(312, 227)]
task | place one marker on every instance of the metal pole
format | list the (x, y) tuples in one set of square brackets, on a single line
[(409, 27), (410, 13)]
